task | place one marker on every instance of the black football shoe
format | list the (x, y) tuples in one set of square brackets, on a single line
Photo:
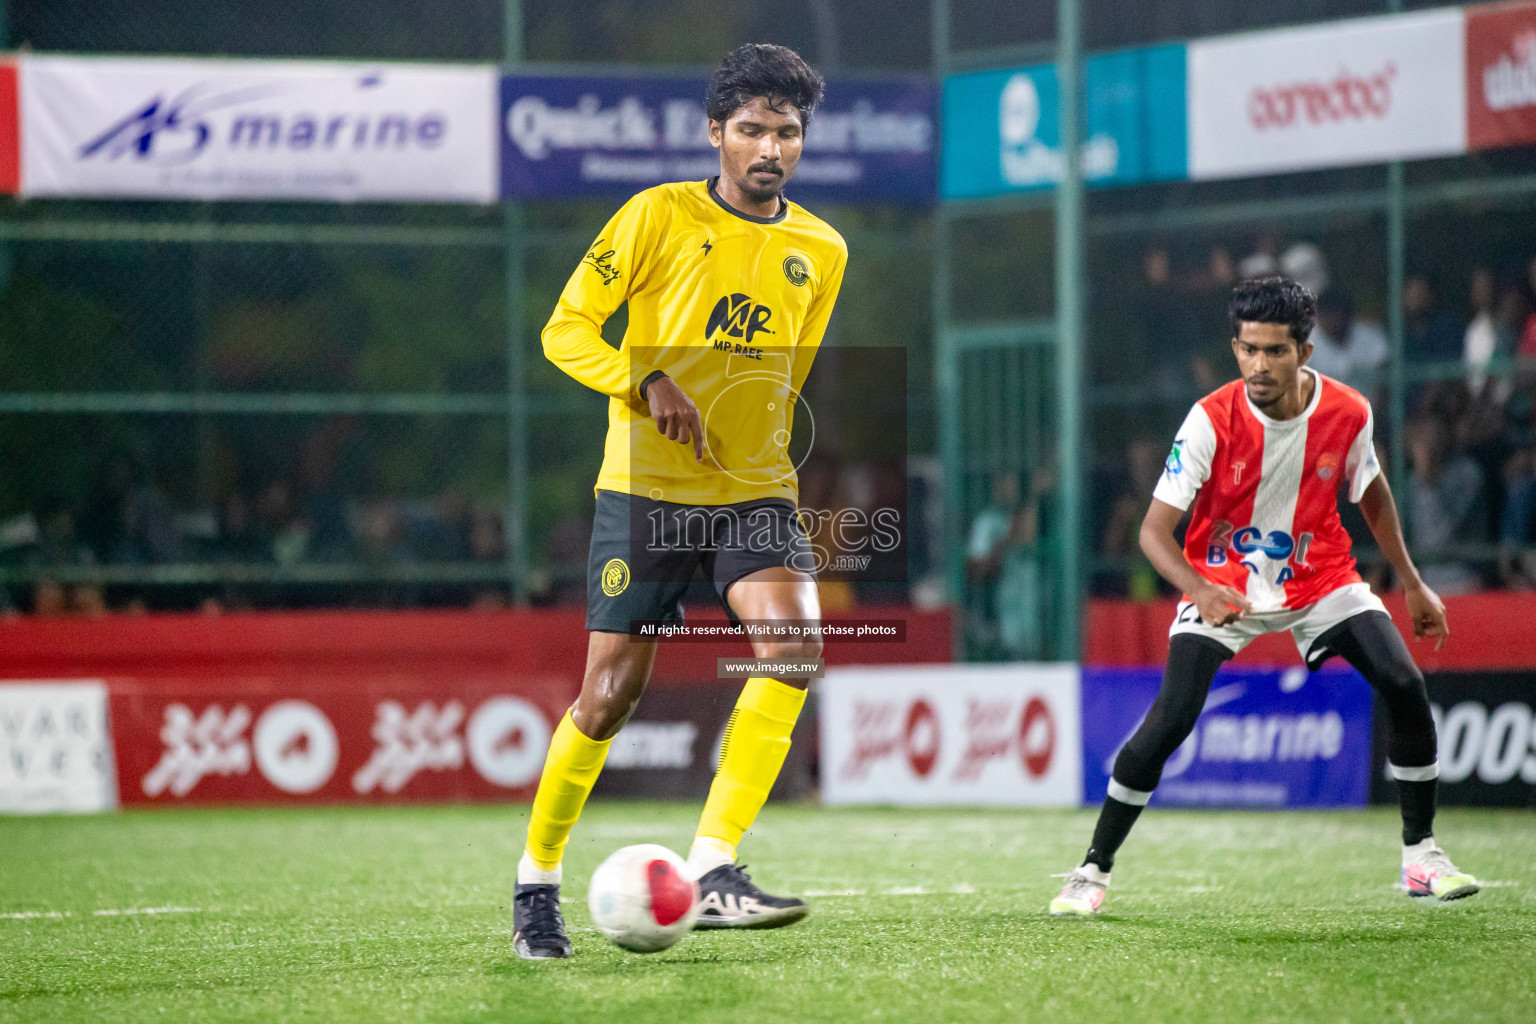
[(728, 899), (538, 930)]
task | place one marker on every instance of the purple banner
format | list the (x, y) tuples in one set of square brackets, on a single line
[(1266, 738), (871, 141)]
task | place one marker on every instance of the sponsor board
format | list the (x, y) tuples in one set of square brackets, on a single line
[(869, 141), (1349, 92), (1486, 725), (248, 129), (10, 130), (1501, 75), (55, 751), (670, 749), (475, 737), (1266, 738), (1001, 132), (1004, 735)]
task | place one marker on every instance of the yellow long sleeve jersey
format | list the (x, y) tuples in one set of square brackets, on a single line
[(729, 306)]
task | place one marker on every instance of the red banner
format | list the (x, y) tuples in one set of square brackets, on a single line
[(10, 130), (389, 706), (1501, 75), (315, 739)]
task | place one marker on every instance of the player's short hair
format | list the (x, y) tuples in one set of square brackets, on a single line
[(776, 73), (1273, 300)]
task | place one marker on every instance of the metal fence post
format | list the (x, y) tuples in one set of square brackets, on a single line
[(516, 524), (1069, 325)]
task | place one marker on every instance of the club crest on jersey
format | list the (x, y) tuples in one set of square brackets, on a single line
[(737, 316), (1327, 465), (797, 270)]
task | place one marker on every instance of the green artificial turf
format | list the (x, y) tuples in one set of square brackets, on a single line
[(399, 914)]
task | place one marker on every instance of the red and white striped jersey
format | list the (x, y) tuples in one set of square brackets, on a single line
[(1266, 519)]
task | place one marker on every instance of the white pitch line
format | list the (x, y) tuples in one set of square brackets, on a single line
[(146, 910), (28, 915)]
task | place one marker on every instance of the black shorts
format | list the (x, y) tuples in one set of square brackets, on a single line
[(645, 552)]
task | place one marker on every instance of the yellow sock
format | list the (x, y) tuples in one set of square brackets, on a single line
[(570, 771), (756, 742)]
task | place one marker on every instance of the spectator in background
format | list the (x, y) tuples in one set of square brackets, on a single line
[(1430, 334), (1517, 560), (1527, 346), (1145, 458), (1345, 349), (1002, 559), (285, 535), (1516, 566), (1443, 493), (1305, 264), (1480, 339), (58, 548), (1264, 261)]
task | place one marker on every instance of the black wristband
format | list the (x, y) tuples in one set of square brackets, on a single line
[(650, 379)]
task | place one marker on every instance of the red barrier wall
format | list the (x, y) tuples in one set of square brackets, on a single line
[(1488, 631), (539, 642), (370, 707)]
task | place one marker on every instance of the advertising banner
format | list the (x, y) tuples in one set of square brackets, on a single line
[(670, 749), (1486, 724), (1005, 735), (246, 129), (870, 141), (1501, 75), (55, 751), (388, 738), (1001, 132), (1266, 738), (10, 129), (1349, 92)]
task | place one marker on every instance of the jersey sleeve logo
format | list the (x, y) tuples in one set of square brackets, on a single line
[(797, 270), (1175, 465), (601, 260)]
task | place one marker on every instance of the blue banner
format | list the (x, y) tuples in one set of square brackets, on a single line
[(871, 141), (1002, 134), (1267, 738)]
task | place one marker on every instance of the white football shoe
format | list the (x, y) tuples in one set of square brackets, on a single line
[(1083, 894)]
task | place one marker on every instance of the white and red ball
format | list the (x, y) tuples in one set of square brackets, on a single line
[(643, 898)]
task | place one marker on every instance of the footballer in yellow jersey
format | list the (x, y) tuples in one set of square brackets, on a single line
[(729, 287)]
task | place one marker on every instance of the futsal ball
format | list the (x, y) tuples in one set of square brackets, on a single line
[(643, 898)]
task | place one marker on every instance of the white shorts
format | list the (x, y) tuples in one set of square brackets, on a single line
[(1305, 624)]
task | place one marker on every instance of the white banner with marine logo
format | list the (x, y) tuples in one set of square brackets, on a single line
[(248, 129), (1006, 735)]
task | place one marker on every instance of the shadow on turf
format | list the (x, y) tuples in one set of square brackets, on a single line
[(602, 959)]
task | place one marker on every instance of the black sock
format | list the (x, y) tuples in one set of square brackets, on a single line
[(1418, 803), (1115, 822)]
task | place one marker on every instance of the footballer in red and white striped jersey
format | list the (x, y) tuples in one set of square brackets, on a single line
[(1265, 491), (1262, 460)]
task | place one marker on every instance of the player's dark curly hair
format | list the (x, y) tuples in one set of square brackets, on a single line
[(777, 73), (1274, 300)]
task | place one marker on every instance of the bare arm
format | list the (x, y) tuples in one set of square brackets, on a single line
[(1217, 605), (1424, 606)]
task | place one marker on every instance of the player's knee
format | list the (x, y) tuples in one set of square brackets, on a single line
[(1402, 683), (808, 649), (602, 718), (1137, 770)]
